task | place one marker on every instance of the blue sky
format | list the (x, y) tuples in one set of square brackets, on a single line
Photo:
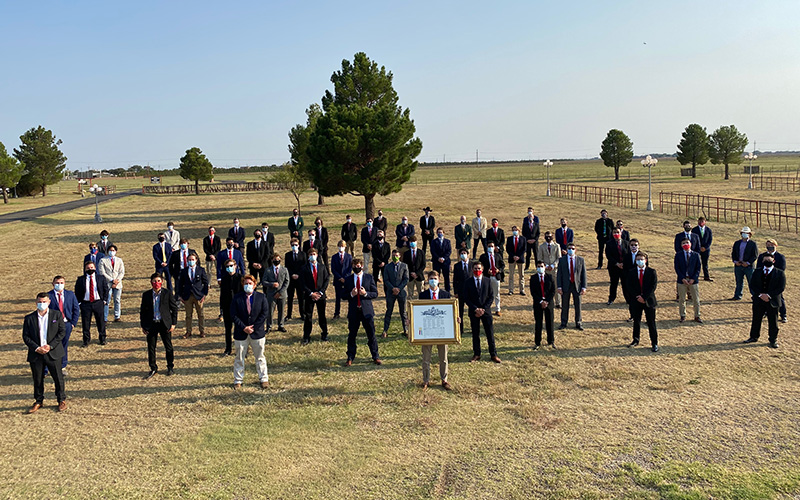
[(143, 82)]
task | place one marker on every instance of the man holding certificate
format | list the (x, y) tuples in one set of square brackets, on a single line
[(434, 293)]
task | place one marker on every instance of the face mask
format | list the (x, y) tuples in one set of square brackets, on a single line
[(464, 257), (640, 263), (192, 263), (294, 248), (380, 215), (311, 237), (604, 216), (112, 253), (93, 251), (491, 250), (162, 239), (170, 228), (236, 225), (265, 230), (42, 306), (686, 247), (369, 224), (433, 283), (617, 236), (229, 245), (356, 270), (570, 251), (770, 249), (184, 246), (745, 236), (276, 263), (494, 224), (548, 238), (634, 249), (319, 224), (515, 233), (413, 244), (341, 249), (563, 224), (156, 286), (395, 258), (440, 236), (104, 238), (294, 213), (463, 223), (248, 288), (767, 264), (405, 221), (258, 236), (477, 273), (231, 269), (349, 221), (312, 258), (90, 272), (540, 270), (58, 287), (478, 214), (530, 213)]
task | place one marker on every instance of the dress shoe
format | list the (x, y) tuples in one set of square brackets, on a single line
[(84, 345), (558, 306), (265, 384), (102, 342), (117, 320), (773, 345), (536, 347), (698, 320), (282, 329), (523, 293), (497, 313), (424, 386), (150, 375), (634, 343), (599, 267), (609, 302), (35, 407), (552, 346), (474, 359), (629, 320), (62, 405), (405, 334), (735, 298), (447, 386), (349, 362), (237, 387), (579, 327), (220, 318), (784, 320), (655, 348), (562, 326), (511, 293), (495, 359), (683, 318), (64, 372), (226, 353), (384, 335), (304, 342), (202, 335), (709, 279), (186, 335), (324, 339), (170, 371), (377, 361), (751, 340)]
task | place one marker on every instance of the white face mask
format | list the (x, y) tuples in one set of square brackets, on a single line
[(530, 213), (491, 250), (433, 283), (112, 253), (349, 221), (294, 248), (745, 236), (236, 224), (464, 257), (248, 288), (515, 233), (540, 270), (341, 249), (312, 258), (570, 251), (640, 263), (58, 287), (42, 306), (170, 228)]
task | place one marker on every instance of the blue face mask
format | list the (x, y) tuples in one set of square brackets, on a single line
[(58, 287), (192, 263), (184, 246), (413, 244), (93, 251), (230, 269), (570, 251), (369, 224), (248, 288), (42, 306), (104, 238)]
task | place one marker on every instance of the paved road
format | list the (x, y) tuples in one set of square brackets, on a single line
[(33, 213)]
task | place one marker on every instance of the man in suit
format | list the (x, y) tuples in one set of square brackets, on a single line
[(766, 286), (103, 245), (381, 254), (368, 238), (269, 239), (173, 236), (315, 285), (349, 234), (193, 291), (530, 231), (779, 261), (478, 295), (516, 246), (571, 283), (440, 257), (602, 228), (395, 280), (238, 234), (211, 247), (65, 302), (543, 290), (257, 256), (463, 234), (743, 254), (404, 231), (322, 236), (617, 252), (564, 236), (91, 290), (427, 223), (312, 242), (496, 235), (275, 284), (415, 260), (43, 333), (380, 222), (462, 271), (296, 225), (361, 289), (229, 286), (687, 268), (479, 228), (549, 253), (94, 256), (703, 233), (229, 252), (158, 316), (624, 233), (629, 264), (249, 311), (686, 234), (435, 293), (493, 272), (341, 264), (162, 252), (295, 262), (113, 270), (179, 260), (641, 283)]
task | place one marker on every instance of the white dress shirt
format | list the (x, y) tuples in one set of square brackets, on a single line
[(43, 328)]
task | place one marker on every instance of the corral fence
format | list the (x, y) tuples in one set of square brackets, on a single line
[(777, 215), (602, 195), (223, 187), (768, 183)]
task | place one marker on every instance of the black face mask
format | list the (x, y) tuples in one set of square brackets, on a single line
[(549, 238), (90, 272), (162, 239), (276, 262), (768, 263), (229, 245), (564, 225), (357, 270)]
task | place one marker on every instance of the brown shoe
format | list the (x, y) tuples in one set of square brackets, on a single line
[(474, 359), (495, 359), (377, 361), (384, 335), (447, 386), (35, 408), (62, 406), (698, 320), (236, 387), (202, 335), (424, 386), (264, 385), (497, 313), (186, 335), (349, 362), (117, 320)]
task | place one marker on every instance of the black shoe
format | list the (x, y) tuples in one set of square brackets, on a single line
[(751, 340), (84, 345), (102, 342), (324, 339), (536, 347), (773, 345), (562, 326), (784, 320), (226, 353), (709, 279), (282, 329), (609, 302), (655, 348), (558, 306), (304, 342), (170, 371), (599, 266), (629, 320), (150, 375), (552, 346), (523, 293), (634, 343), (579, 327), (735, 298)]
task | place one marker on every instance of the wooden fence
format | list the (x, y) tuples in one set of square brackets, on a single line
[(602, 195), (777, 215), (222, 187), (767, 183)]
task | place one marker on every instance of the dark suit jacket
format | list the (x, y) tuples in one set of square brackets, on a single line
[(101, 284), (647, 290), (463, 236), (417, 265), (341, 267), (441, 294), (560, 237), (774, 286), (72, 310), (317, 245), (478, 298), (349, 232), (780, 260), (536, 289), (750, 251), (430, 226), (238, 236), (398, 279), (295, 263), (460, 276), (381, 224), (522, 245), (97, 258), (270, 243), (706, 239), (157, 256), (258, 255), (368, 282), (323, 279), (684, 270), (528, 232), (257, 316), (55, 335), (368, 240), (103, 248), (211, 249), (625, 235), (175, 261), (601, 224), (613, 253), (230, 285), (198, 287), (399, 231), (440, 250), (563, 273), (381, 253), (222, 256), (498, 263), (169, 309), (693, 238), (499, 239), (322, 236), (296, 228)]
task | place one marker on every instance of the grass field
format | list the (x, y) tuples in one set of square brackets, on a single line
[(704, 418)]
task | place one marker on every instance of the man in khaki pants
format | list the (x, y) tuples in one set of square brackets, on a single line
[(479, 228), (434, 293), (549, 252), (687, 268), (193, 290)]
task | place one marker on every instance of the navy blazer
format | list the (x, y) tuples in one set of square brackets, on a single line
[(690, 270), (478, 298), (426, 294), (416, 266), (222, 256), (440, 249), (528, 232), (368, 283), (780, 260), (97, 258), (175, 260), (341, 267), (238, 236), (295, 263), (522, 245), (259, 310), (157, 256), (705, 239), (560, 237), (399, 231), (101, 284), (694, 239), (197, 288), (168, 309), (368, 239), (774, 286), (460, 276), (72, 310), (750, 251), (55, 335)]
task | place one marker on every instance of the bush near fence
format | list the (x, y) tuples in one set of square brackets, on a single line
[(777, 215), (226, 187), (603, 195)]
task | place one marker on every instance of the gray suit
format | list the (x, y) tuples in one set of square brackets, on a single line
[(282, 279), (571, 281), (395, 276)]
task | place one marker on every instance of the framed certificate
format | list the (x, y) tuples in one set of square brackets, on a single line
[(434, 322)]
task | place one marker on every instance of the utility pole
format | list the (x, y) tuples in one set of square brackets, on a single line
[(476, 157)]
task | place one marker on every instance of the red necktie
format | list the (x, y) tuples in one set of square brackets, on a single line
[(184, 260), (314, 269), (358, 289), (515, 244), (61, 304), (565, 236), (541, 283), (249, 304), (91, 288), (491, 262), (230, 254), (571, 271), (112, 262), (434, 296), (641, 279)]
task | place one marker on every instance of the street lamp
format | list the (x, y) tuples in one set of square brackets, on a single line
[(96, 190), (649, 162), (548, 164), (751, 157)]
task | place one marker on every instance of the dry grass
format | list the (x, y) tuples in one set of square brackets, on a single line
[(703, 418)]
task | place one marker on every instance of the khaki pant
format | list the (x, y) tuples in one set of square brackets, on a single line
[(694, 290), (241, 353), (495, 284), (517, 267), (211, 269), (191, 303), (349, 245), (552, 272), (413, 289), (367, 256), (427, 351)]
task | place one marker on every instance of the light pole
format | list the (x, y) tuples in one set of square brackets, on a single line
[(96, 190), (548, 164), (751, 157), (649, 162)]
